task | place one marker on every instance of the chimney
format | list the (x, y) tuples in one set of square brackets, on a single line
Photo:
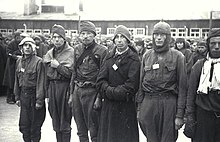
[(31, 7)]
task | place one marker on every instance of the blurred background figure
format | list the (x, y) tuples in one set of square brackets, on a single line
[(200, 52), (109, 43), (139, 46), (41, 47), (3, 59), (13, 52), (181, 46)]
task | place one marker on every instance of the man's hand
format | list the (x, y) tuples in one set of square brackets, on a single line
[(38, 106), (178, 123), (97, 104), (70, 101), (54, 63), (18, 103)]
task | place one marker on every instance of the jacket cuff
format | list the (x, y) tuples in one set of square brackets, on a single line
[(180, 113)]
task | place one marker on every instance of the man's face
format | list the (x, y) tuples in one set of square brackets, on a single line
[(37, 41), (201, 49), (194, 46), (179, 45), (214, 47), (18, 38), (121, 42), (27, 48), (109, 42), (57, 40), (86, 37), (159, 39)]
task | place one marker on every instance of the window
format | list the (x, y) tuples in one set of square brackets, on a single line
[(67, 32), (132, 31), (73, 32), (3, 31), (98, 30), (195, 32), (10, 31), (20, 30), (29, 31), (182, 32), (110, 31), (204, 32), (37, 31), (140, 31), (45, 31), (173, 32)]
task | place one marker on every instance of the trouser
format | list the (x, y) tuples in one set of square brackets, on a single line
[(157, 117), (207, 127), (85, 116), (59, 109), (63, 136), (31, 120)]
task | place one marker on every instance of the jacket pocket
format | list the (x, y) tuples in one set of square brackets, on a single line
[(169, 72), (149, 73), (31, 76)]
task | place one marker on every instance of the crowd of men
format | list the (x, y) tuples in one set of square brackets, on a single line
[(109, 87)]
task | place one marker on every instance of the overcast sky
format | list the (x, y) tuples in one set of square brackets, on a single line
[(134, 9)]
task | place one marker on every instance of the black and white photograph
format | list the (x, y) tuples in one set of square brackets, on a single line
[(109, 71)]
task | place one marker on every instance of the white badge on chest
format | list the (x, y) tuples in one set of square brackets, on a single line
[(156, 66), (115, 67), (22, 69)]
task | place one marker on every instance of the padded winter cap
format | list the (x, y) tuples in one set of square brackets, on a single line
[(87, 26), (202, 43), (58, 29), (178, 40), (162, 27), (213, 33), (121, 29), (28, 40)]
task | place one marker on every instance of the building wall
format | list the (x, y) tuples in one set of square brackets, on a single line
[(147, 25)]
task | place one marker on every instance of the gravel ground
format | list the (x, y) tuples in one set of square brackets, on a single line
[(9, 132)]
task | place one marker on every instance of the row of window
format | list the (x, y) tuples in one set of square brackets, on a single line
[(175, 32)]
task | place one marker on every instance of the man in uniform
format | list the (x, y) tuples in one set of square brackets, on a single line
[(59, 65), (88, 59), (203, 98), (162, 94), (29, 91)]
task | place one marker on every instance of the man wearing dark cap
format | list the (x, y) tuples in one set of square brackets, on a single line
[(118, 82), (162, 94), (200, 51), (13, 52), (88, 58), (203, 98), (59, 66), (41, 47)]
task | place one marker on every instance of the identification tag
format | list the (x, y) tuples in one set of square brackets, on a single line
[(156, 66), (115, 67), (22, 69)]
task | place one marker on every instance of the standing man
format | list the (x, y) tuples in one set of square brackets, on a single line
[(13, 53), (203, 99), (88, 59), (3, 59), (162, 95), (59, 66), (118, 82), (29, 91)]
